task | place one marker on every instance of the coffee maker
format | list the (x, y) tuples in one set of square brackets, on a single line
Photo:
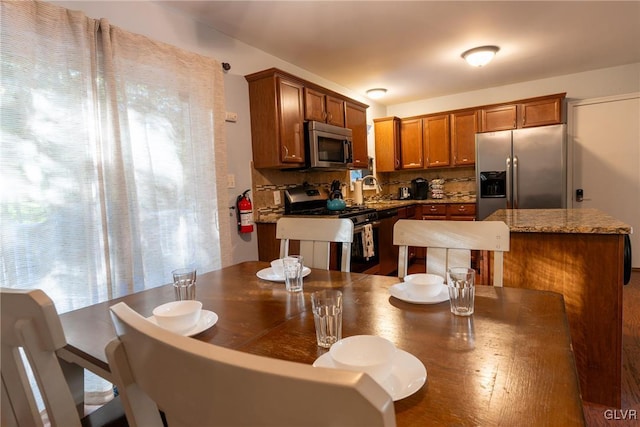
[(419, 188)]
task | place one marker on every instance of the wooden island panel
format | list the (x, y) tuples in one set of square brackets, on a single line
[(585, 269), (579, 255)]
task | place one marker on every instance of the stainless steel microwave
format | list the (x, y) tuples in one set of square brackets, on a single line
[(328, 146)]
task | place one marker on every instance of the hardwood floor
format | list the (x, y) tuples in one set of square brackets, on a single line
[(629, 414)]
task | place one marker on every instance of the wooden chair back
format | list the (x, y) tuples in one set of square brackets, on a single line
[(449, 243), (30, 322), (197, 384), (315, 236)]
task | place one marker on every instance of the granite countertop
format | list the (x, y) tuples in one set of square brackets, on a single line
[(576, 221), (384, 204), (390, 204)]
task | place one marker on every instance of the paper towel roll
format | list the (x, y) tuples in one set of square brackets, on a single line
[(358, 199)]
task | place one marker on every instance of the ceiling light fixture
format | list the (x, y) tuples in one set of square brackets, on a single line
[(480, 56), (376, 93)]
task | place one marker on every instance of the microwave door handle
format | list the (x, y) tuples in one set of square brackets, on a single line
[(348, 151)]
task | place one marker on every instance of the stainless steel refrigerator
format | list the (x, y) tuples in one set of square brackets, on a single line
[(521, 169)]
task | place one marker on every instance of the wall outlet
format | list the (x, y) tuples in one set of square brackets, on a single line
[(276, 197), (231, 117), (231, 181)]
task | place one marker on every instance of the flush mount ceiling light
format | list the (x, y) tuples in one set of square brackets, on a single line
[(480, 56), (376, 93)]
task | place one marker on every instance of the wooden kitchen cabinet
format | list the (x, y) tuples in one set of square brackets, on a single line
[(411, 146), (437, 141), (321, 107), (540, 113), (461, 211), (448, 211), (280, 103), (387, 136), (502, 117), (545, 110), (433, 212), (464, 126), (356, 120), (277, 128)]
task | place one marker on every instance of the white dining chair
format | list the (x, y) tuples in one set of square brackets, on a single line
[(315, 236), (30, 322), (200, 384), (449, 243)]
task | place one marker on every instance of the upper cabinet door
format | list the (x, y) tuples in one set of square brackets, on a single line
[(387, 132), (541, 113), (437, 141), (335, 111), (411, 147), (356, 120), (314, 105), (464, 126), (502, 117), (277, 120), (290, 121), (321, 107)]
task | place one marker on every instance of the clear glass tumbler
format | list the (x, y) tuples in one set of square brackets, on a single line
[(327, 315), (461, 283)]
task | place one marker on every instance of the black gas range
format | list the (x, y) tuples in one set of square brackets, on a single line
[(310, 200)]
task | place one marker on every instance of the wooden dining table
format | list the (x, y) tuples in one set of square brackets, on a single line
[(510, 363)]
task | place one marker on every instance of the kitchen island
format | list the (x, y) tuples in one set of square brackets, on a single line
[(578, 253)]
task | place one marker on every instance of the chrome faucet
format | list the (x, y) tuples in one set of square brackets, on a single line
[(375, 181)]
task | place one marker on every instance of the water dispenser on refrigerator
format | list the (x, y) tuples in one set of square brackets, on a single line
[(493, 184)]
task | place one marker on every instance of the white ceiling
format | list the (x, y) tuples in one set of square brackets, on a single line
[(413, 48)]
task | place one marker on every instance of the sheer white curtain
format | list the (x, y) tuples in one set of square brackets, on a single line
[(112, 157)]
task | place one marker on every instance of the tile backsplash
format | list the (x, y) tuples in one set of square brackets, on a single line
[(458, 182)]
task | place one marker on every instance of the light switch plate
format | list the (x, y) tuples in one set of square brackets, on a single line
[(276, 197), (231, 181)]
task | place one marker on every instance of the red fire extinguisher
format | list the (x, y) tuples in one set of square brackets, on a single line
[(244, 210)]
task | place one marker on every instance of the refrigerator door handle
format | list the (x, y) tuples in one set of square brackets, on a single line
[(515, 182), (508, 182)]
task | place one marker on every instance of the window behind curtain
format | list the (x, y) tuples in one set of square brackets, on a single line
[(111, 152)]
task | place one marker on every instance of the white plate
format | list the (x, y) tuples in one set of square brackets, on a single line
[(400, 291), (207, 320), (268, 274), (408, 374)]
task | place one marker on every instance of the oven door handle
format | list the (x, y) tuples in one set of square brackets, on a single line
[(359, 228)]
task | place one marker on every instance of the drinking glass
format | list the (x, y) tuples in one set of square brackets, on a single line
[(461, 283), (327, 315), (293, 265), (184, 283)]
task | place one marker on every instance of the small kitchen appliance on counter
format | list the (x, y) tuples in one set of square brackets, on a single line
[(404, 193), (419, 188)]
